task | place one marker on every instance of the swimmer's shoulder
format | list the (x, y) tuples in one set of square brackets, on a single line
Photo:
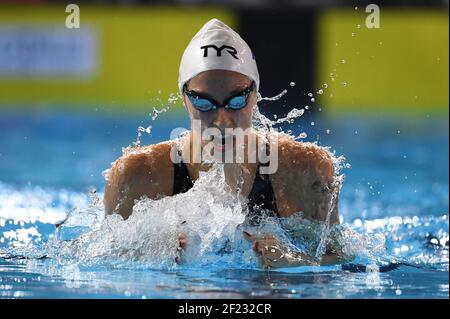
[(305, 172), (304, 158), (144, 171), (150, 159)]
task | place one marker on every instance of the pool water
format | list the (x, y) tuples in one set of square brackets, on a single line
[(394, 198)]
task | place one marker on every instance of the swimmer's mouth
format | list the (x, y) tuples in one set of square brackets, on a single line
[(225, 142)]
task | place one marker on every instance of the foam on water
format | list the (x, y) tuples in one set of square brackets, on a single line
[(208, 214)]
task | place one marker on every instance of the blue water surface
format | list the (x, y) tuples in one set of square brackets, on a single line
[(396, 186)]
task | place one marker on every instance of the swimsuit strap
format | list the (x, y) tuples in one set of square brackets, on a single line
[(182, 182), (261, 200)]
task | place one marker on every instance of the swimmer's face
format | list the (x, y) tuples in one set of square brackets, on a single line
[(220, 85)]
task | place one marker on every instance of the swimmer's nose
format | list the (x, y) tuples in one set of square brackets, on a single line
[(224, 119)]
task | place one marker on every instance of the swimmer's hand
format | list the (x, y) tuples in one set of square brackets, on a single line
[(272, 252), (182, 244), (275, 254), (182, 240)]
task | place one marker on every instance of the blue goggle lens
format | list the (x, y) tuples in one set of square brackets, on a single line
[(238, 102), (203, 105)]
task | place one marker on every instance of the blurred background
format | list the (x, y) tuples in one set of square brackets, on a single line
[(70, 99)]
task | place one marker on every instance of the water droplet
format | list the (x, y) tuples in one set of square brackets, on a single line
[(306, 107), (358, 26), (344, 84), (325, 85), (313, 99), (292, 84), (310, 94), (294, 113), (312, 123), (328, 131), (356, 8), (320, 91), (353, 34)]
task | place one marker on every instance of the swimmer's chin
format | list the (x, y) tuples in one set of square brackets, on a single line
[(223, 147)]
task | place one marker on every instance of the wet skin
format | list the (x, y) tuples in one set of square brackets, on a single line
[(303, 181)]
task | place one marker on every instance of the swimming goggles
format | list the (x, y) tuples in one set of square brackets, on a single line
[(206, 104)]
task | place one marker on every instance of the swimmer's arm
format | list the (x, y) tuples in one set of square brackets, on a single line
[(133, 176), (323, 192), (119, 192), (304, 182)]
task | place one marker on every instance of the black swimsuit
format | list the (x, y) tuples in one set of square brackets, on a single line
[(261, 200)]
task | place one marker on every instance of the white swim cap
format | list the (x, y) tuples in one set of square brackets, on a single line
[(217, 47)]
